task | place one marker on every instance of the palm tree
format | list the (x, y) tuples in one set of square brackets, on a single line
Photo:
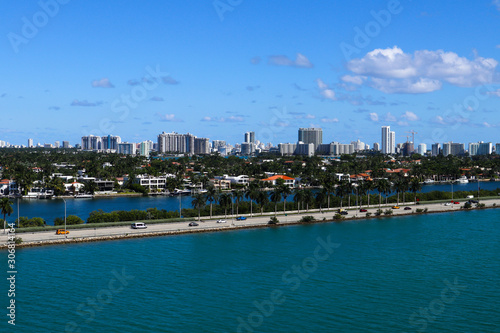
[(321, 198), (262, 199), (238, 195), (199, 201), (276, 197), (285, 192), (212, 195), (382, 186), (251, 194), (5, 209), (329, 186), (399, 186), (225, 201), (415, 186), (298, 197), (308, 198)]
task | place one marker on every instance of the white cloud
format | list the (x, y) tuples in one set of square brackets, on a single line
[(329, 120), (393, 71), (231, 119), (497, 3), (310, 116), (300, 61), (354, 79), (403, 123), (440, 120), (325, 91), (84, 103), (102, 83), (390, 117), (410, 116), (494, 93), (168, 117), (486, 124), (373, 116)]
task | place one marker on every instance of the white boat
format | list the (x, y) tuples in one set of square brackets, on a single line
[(463, 180), (84, 196), (181, 192), (429, 181)]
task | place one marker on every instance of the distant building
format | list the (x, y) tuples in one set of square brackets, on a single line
[(311, 135), (422, 149), (30, 143), (388, 140), (126, 148), (408, 148), (247, 148), (57, 144), (497, 148), (250, 137), (435, 149), (110, 142), (485, 148), (376, 146), (452, 148), (145, 148), (289, 181), (473, 148), (182, 143), (66, 144)]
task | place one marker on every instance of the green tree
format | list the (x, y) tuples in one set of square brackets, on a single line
[(198, 202), (415, 186), (6, 209), (211, 197), (70, 220), (262, 200)]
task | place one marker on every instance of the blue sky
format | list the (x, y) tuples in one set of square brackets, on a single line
[(220, 68)]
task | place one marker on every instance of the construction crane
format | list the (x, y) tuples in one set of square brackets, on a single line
[(412, 132)]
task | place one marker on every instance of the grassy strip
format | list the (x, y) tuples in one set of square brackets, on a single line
[(97, 225)]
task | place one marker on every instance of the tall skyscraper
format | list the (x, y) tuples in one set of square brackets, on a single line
[(453, 148), (435, 149), (497, 148), (182, 143), (311, 135), (422, 149), (388, 140), (250, 137), (66, 144), (485, 148), (473, 148), (376, 146)]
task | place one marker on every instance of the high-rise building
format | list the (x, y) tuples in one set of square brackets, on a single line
[(473, 148), (57, 144), (422, 149), (110, 142), (182, 143), (247, 148), (485, 148), (250, 137), (311, 135), (408, 148), (30, 143), (376, 146), (435, 149), (287, 148), (145, 148), (497, 148), (91, 142), (126, 148), (388, 140), (452, 148), (66, 144)]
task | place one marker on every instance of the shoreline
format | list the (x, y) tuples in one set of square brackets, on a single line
[(46, 238)]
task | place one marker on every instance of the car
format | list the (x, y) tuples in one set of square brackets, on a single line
[(241, 218), (362, 210), (474, 201), (395, 207), (221, 221), (447, 204), (193, 224), (138, 225), (407, 208), (343, 212), (62, 232), (470, 196), (456, 203)]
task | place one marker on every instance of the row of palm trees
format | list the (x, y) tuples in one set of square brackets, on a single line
[(306, 197)]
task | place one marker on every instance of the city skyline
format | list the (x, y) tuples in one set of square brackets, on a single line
[(219, 72)]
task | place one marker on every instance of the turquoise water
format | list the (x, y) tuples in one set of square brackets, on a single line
[(376, 277)]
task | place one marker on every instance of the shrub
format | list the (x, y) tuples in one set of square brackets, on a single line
[(481, 205), (24, 222), (379, 212), (467, 205), (273, 220), (368, 214), (18, 240), (426, 210), (70, 220), (338, 217), (307, 218), (419, 210), (388, 212)]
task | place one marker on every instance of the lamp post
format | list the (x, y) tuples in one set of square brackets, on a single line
[(232, 208), (64, 216)]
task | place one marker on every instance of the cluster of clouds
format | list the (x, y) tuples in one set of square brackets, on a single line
[(169, 117), (300, 61), (393, 71), (230, 119), (402, 120)]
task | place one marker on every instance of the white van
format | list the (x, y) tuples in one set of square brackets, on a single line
[(138, 225), (470, 197)]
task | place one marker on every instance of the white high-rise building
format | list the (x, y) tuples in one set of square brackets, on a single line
[(250, 137), (30, 143), (485, 148), (376, 146), (311, 135), (473, 148), (386, 140), (422, 149)]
